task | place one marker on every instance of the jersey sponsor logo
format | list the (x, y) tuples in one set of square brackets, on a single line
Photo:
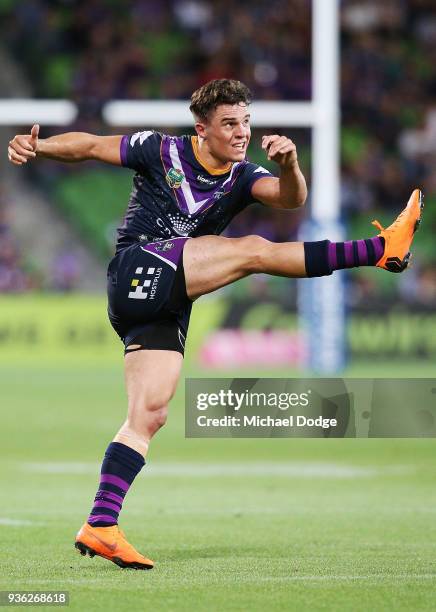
[(261, 169), (181, 224), (174, 178), (154, 283), (163, 227), (203, 179), (140, 285)]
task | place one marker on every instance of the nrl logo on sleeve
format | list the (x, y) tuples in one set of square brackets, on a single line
[(174, 178)]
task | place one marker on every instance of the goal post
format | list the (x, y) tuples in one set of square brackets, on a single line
[(321, 302)]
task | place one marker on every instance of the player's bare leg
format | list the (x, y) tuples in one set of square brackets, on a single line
[(151, 379), (212, 262)]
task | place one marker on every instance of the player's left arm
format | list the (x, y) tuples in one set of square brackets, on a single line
[(289, 190)]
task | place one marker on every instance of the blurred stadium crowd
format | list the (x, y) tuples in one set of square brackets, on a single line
[(18, 271), (13, 273), (94, 50)]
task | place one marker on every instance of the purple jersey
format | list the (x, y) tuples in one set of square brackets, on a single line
[(174, 194)]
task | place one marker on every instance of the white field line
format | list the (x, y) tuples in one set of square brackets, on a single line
[(246, 469), (9, 522), (222, 579)]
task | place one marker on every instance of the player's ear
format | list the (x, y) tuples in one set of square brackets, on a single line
[(200, 128)]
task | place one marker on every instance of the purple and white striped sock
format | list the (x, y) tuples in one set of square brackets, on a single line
[(355, 253), (324, 257), (120, 466)]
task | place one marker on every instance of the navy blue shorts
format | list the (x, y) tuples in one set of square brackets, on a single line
[(147, 300)]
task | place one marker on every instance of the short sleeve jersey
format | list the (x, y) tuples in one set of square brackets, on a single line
[(174, 194)]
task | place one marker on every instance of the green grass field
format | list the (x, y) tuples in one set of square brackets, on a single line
[(246, 525)]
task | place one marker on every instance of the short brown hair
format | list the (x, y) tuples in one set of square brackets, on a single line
[(216, 92)]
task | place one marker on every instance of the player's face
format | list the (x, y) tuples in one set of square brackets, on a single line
[(227, 132)]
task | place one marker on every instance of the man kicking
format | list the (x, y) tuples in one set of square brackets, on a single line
[(185, 192)]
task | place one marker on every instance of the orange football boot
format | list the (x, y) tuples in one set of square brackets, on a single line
[(399, 236), (110, 543)]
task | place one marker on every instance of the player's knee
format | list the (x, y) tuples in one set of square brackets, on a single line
[(152, 397), (156, 409), (156, 419), (255, 248), (147, 419)]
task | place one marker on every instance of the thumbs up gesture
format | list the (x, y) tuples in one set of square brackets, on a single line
[(23, 147)]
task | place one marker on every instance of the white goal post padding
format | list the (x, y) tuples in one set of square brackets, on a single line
[(175, 113), (26, 112), (151, 113)]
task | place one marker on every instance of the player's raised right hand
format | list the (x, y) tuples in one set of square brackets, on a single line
[(23, 147)]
